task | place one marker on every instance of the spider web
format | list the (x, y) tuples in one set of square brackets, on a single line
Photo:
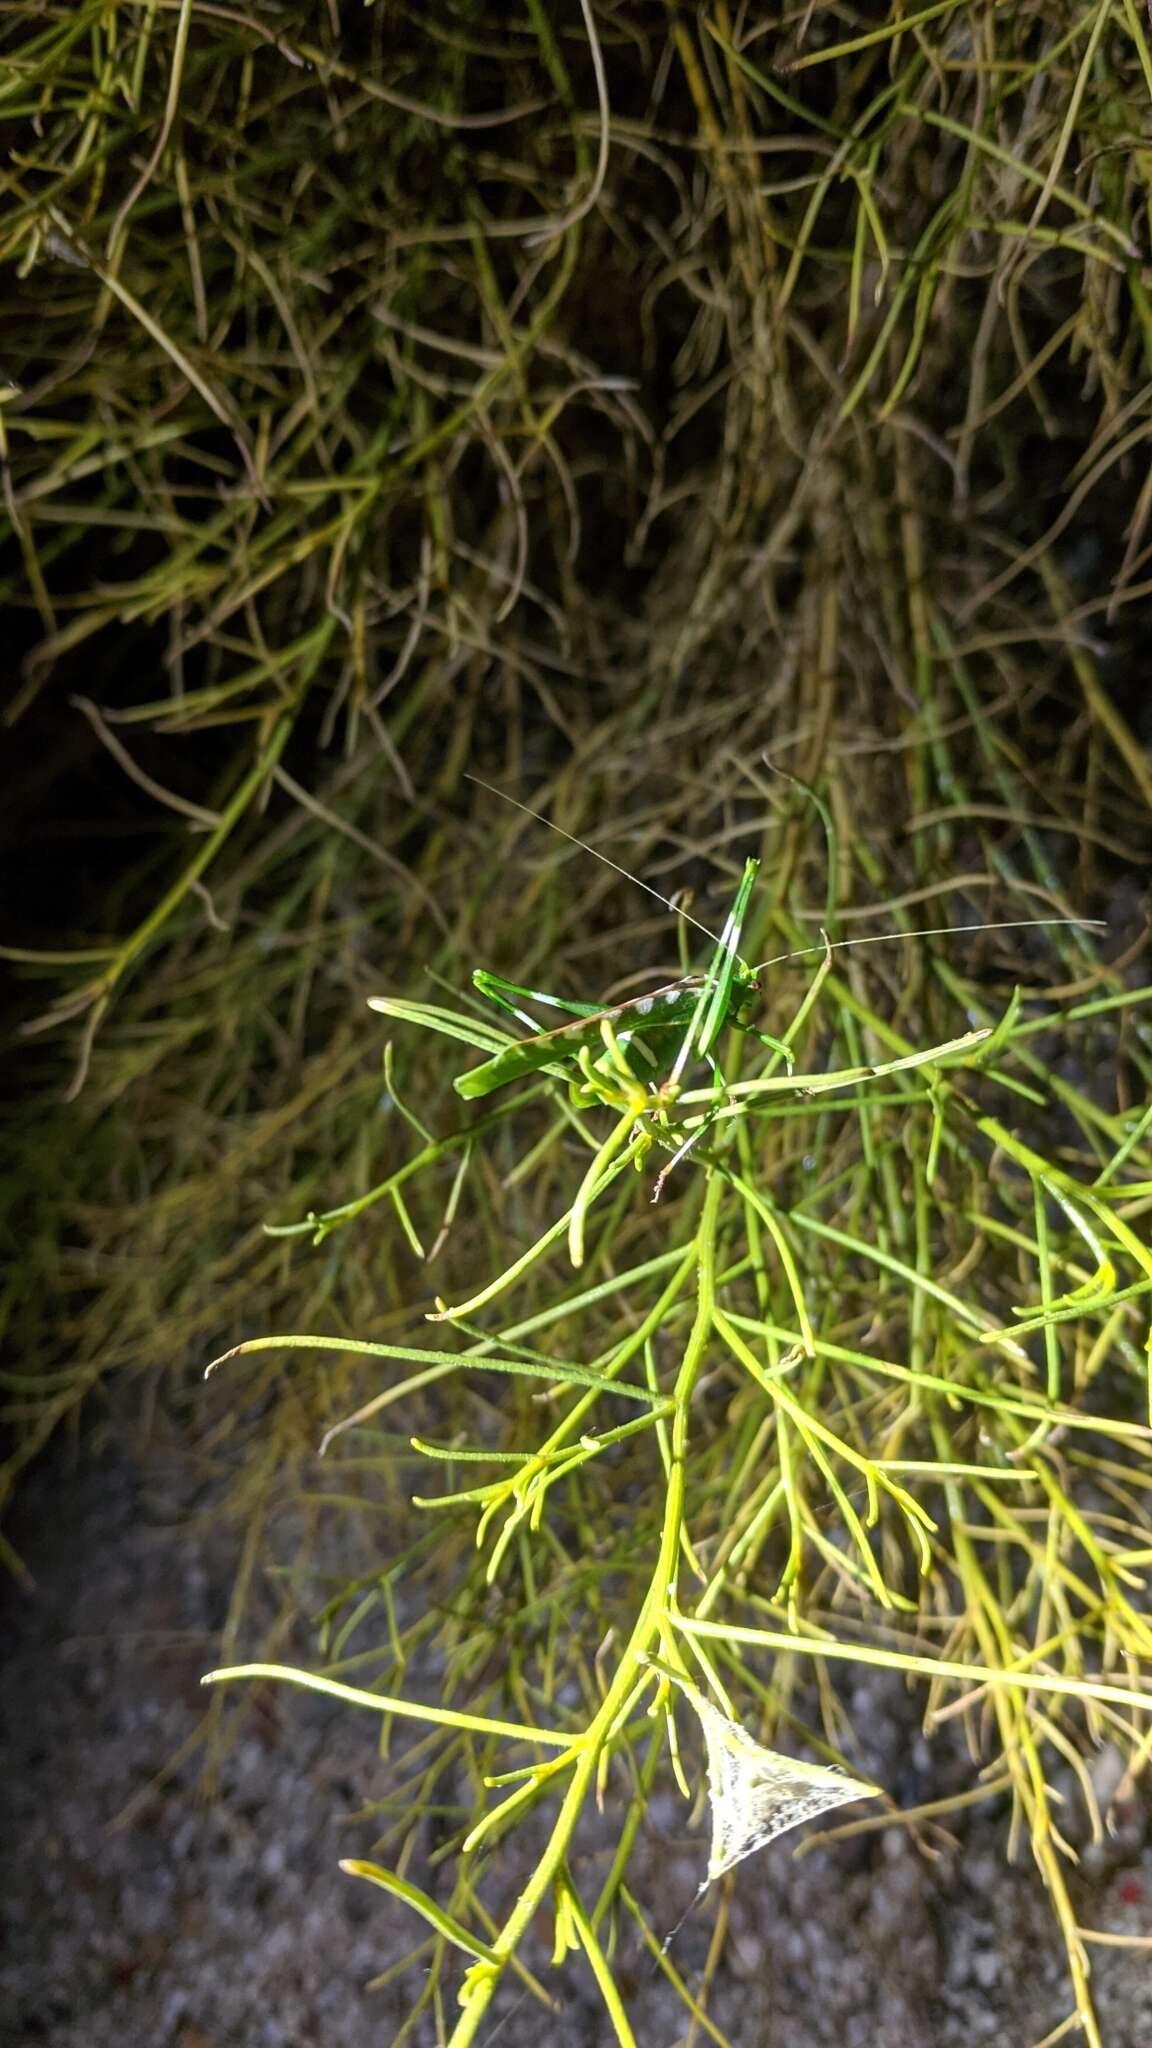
[(757, 1794)]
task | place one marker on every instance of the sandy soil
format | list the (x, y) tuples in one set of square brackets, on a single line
[(139, 1914)]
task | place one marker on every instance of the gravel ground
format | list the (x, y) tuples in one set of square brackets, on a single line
[(138, 1914)]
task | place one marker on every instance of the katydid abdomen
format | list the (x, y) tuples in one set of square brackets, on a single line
[(649, 1030)]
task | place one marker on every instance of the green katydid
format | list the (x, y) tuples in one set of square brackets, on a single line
[(662, 1029), (659, 1032)]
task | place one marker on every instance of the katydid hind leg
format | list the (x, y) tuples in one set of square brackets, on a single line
[(508, 995)]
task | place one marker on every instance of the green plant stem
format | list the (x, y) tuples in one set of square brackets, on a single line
[(647, 1625)]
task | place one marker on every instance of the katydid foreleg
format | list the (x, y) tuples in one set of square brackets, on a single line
[(775, 1045), (706, 1124)]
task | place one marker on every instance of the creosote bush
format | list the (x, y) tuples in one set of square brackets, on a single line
[(600, 401)]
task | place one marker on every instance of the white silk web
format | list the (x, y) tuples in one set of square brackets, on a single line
[(757, 1794)]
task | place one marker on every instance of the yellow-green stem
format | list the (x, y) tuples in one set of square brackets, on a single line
[(647, 1624)]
